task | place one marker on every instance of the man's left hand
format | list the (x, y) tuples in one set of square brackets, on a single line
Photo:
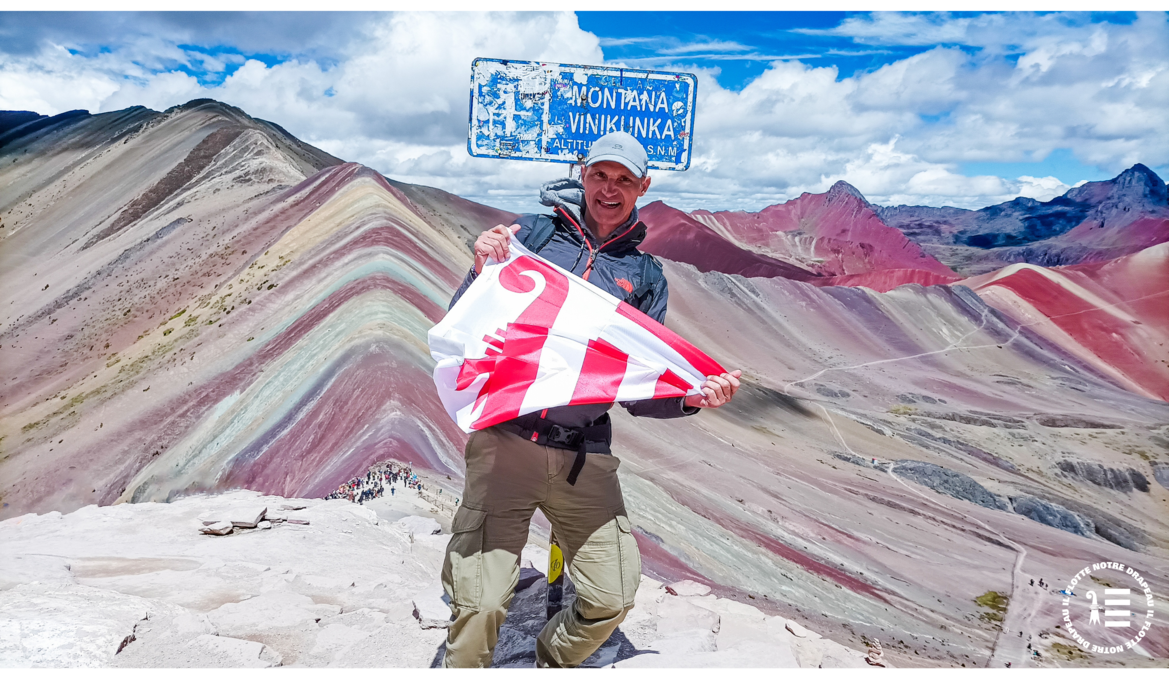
[(717, 390)]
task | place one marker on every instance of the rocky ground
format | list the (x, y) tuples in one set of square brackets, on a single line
[(317, 583)]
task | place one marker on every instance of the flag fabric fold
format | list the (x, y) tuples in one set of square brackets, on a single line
[(527, 335)]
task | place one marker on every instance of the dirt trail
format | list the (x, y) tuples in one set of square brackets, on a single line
[(1009, 645)]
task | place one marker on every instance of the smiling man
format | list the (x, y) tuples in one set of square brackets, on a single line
[(558, 460)]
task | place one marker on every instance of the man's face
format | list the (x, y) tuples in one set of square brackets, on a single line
[(611, 191)]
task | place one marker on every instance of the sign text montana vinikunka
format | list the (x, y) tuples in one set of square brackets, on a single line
[(527, 110)]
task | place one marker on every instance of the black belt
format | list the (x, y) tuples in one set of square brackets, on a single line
[(594, 438)]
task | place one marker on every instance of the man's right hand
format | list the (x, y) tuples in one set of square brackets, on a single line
[(493, 243)]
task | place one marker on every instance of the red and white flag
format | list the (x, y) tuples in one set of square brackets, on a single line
[(527, 335)]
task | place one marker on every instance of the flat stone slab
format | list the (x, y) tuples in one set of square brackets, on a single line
[(217, 528), (432, 608), (677, 616), (689, 641), (274, 610), (247, 517), (52, 625), (215, 651)]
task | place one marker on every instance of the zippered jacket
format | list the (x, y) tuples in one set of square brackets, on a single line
[(616, 266)]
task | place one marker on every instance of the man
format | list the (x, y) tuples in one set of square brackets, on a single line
[(558, 460)]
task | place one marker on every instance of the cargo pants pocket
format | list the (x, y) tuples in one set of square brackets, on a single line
[(462, 570), (630, 559)]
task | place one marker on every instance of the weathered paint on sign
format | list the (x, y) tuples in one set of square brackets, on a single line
[(529, 110)]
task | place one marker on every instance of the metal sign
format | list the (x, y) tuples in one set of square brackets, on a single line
[(528, 110)]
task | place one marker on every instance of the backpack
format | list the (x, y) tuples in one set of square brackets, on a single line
[(540, 233)]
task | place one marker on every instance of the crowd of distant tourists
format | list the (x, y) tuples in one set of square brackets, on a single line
[(376, 483)]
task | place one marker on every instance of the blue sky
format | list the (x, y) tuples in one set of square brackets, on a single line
[(966, 109), (739, 46)]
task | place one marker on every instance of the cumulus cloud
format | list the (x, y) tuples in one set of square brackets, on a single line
[(390, 91)]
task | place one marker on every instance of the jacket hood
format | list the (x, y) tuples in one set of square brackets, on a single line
[(568, 195)]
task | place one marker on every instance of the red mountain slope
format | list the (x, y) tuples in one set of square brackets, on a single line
[(1114, 315), (835, 233), (675, 235)]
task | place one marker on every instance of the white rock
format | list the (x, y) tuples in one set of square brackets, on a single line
[(164, 559), (275, 610), (213, 651), (536, 556), (217, 528), (432, 608), (688, 588), (437, 543), (322, 582), (191, 623), (807, 652), (836, 656), (689, 641), (419, 525), (720, 659), (19, 568), (363, 513), (677, 615), (247, 517), (52, 625), (264, 525), (796, 629), (335, 638)]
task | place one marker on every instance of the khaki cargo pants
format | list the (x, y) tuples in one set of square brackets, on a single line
[(507, 479)]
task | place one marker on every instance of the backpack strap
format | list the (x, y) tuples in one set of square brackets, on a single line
[(651, 272), (538, 233)]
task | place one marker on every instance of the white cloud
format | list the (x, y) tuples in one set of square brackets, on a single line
[(1042, 188), (707, 46)]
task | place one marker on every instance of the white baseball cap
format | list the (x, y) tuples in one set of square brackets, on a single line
[(620, 147)]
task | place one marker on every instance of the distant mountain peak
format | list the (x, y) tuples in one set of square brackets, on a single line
[(1141, 170), (1140, 181), (842, 188)]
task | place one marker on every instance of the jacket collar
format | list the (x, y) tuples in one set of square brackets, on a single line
[(566, 196)]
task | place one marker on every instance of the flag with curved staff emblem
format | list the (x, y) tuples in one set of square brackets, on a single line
[(527, 335)]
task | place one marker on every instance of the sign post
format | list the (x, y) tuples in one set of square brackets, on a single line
[(528, 110)]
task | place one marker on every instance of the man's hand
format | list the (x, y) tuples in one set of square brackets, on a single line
[(716, 391), (493, 243)]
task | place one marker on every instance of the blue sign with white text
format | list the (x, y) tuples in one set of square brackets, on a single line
[(527, 110)]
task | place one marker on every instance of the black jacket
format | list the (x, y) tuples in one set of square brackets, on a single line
[(616, 267)]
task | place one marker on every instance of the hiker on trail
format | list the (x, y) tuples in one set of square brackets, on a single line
[(559, 459)]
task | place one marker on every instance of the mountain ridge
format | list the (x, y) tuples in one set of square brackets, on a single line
[(263, 326)]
